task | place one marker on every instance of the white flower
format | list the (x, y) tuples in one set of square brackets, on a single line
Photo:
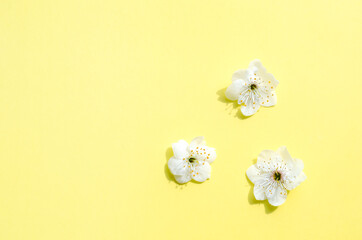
[(274, 174), (191, 161), (253, 87)]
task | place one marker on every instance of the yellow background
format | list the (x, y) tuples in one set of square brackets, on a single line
[(93, 94)]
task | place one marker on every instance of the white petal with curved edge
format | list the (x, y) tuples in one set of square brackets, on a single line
[(266, 155), (197, 141), (269, 80), (257, 65), (202, 172), (296, 166), (240, 74), (278, 196), (250, 108), (283, 152), (183, 178), (301, 178), (234, 90), (259, 192), (253, 174), (298, 180), (210, 154), (268, 99), (177, 166), (180, 149), (271, 189), (268, 160)]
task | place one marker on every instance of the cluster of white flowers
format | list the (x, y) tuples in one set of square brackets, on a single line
[(274, 173)]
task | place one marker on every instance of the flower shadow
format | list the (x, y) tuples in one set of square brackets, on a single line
[(232, 107), (168, 174), (251, 198)]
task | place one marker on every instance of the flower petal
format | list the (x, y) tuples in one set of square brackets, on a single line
[(203, 153), (256, 65), (183, 178), (298, 180), (269, 80), (253, 173), (283, 152), (301, 177), (202, 172), (268, 99), (234, 90), (271, 189), (250, 108), (278, 196), (266, 160), (197, 141), (259, 190), (266, 155), (210, 154), (240, 74), (177, 166), (296, 166), (180, 149)]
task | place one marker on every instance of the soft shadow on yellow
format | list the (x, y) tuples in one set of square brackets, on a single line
[(168, 174), (232, 107)]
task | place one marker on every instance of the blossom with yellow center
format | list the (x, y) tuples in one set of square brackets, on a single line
[(274, 174), (191, 161), (253, 87)]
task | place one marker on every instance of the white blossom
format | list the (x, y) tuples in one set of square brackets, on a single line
[(274, 174), (252, 88), (191, 161)]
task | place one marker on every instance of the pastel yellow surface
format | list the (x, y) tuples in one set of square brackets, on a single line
[(93, 94)]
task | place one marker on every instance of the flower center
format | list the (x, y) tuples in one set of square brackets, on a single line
[(277, 176), (191, 160), (253, 86)]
